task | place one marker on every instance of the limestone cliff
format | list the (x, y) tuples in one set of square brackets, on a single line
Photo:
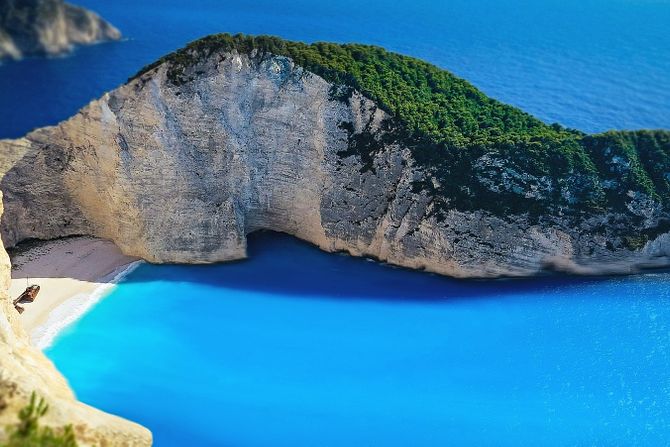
[(48, 27), (181, 167), (24, 369)]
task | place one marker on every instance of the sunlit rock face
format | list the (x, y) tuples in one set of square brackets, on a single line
[(48, 27), (24, 370), (183, 171)]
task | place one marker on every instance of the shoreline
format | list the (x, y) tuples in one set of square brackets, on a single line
[(73, 273), (71, 310)]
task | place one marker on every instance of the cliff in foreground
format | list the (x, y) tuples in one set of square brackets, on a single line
[(349, 147), (24, 370), (48, 27)]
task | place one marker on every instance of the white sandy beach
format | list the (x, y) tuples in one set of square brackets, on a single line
[(72, 273)]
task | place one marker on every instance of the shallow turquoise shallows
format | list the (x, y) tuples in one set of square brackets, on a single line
[(295, 347)]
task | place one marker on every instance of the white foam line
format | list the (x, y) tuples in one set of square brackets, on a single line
[(75, 307)]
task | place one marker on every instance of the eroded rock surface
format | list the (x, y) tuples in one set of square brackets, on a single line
[(182, 172)]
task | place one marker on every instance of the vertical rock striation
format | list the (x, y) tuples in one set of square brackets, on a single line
[(183, 171)]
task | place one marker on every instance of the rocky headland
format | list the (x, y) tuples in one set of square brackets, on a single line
[(235, 134), (348, 147), (48, 27)]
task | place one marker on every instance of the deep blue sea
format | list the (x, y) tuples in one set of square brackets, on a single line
[(588, 64), (295, 347)]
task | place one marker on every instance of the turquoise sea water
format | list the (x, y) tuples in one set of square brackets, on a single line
[(295, 347), (299, 348)]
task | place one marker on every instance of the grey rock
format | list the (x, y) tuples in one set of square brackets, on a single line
[(183, 173)]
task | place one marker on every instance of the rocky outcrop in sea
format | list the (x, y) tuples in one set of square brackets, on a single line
[(48, 27), (183, 172)]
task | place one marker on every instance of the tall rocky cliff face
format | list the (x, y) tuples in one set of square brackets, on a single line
[(183, 171), (48, 27), (24, 370), (185, 160)]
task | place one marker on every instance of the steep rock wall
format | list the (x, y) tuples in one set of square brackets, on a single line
[(183, 172)]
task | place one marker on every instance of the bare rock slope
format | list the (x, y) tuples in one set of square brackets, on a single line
[(48, 27), (183, 171)]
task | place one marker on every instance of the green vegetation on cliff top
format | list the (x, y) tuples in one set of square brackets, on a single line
[(450, 126)]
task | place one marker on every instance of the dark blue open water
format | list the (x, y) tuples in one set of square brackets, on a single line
[(588, 64), (299, 348)]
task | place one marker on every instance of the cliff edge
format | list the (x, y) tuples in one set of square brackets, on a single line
[(346, 146), (24, 370), (48, 27)]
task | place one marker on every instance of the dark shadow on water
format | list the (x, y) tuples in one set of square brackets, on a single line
[(282, 264)]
